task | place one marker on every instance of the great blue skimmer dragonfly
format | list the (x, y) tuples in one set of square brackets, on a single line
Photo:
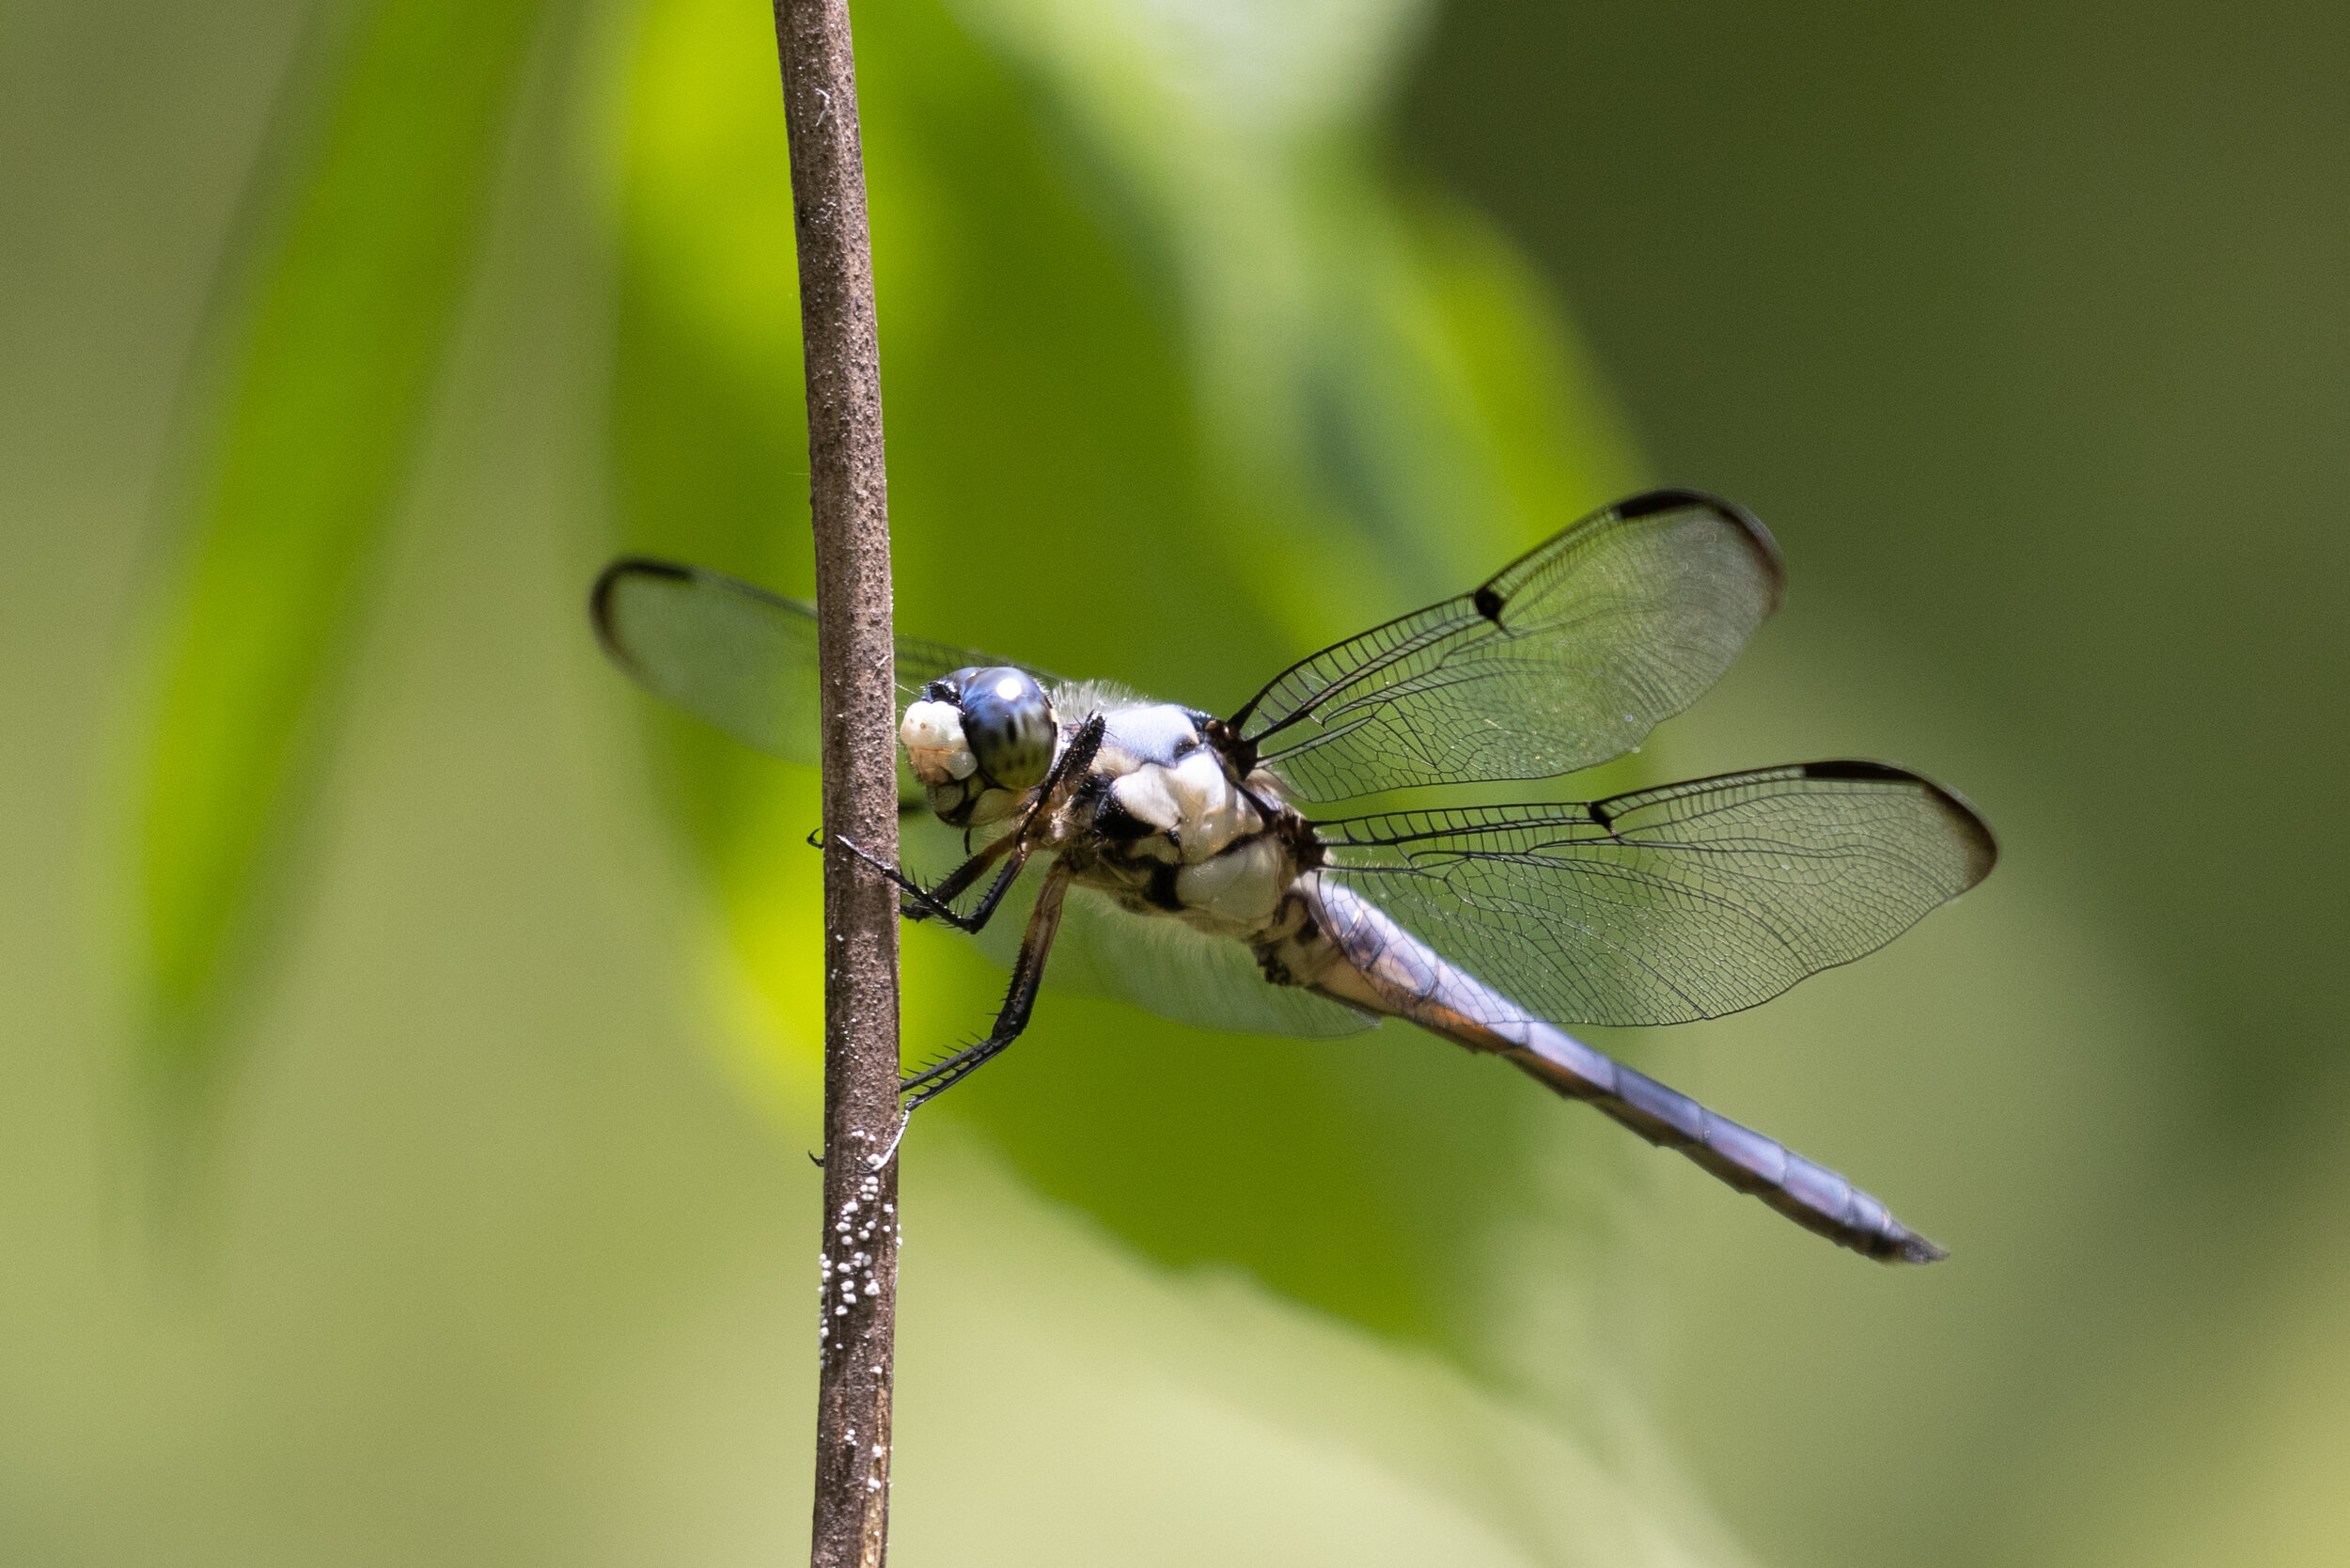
[(1181, 872)]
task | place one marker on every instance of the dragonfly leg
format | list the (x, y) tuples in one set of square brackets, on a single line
[(985, 910), (936, 903), (1027, 973)]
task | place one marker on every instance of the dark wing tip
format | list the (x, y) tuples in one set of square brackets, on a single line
[(1676, 498), (599, 607), (1854, 767), (1982, 845), (1669, 498)]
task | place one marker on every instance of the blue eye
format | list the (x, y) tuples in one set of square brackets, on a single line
[(1007, 722)]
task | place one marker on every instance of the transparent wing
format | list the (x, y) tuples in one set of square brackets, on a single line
[(740, 657), (1155, 962), (1565, 658), (1685, 902)]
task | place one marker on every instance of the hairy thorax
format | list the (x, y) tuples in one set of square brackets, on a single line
[(1162, 820), (1164, 824)]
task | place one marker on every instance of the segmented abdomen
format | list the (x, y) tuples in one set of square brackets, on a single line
[(1394, 972)]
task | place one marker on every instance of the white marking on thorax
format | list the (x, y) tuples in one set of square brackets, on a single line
[(1144, 733), (1233, 875), (1192, 803), (1237, 891)]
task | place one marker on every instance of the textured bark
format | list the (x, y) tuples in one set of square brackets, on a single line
[(849, 499)]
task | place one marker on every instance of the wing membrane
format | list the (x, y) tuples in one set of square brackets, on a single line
[(740, 657), (1565, 658), (1664, 905)]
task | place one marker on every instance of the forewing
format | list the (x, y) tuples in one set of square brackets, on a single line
[(1565, 658), (1664, 905), (740, 657), (1152, 961)]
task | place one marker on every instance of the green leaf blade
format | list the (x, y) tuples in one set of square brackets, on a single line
[(346, 322)]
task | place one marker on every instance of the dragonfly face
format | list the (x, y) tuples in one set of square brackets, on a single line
[(977, 735), (1184, 866)]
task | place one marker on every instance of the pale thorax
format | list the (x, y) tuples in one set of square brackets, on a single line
[(1159, 822)]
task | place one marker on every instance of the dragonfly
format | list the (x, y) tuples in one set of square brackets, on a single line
[(1188, 862)]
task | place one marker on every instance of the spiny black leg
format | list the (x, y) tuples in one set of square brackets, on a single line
[(905, 883), (1082, 749), (934, 1081), (1074, 758), (937, 899), (1027, 973), (934, 903), (985, 910), (921, 1088)]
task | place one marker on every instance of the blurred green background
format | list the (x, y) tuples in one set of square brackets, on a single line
[(406, 1034)]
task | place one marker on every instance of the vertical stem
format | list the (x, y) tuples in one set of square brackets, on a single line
[(855, 671)]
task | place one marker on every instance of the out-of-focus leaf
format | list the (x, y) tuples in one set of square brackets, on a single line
[(1331, 322), (330, 366), (1179, 381), (1111, 1401)]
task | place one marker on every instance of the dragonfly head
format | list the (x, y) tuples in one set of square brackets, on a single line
[(994, 722)]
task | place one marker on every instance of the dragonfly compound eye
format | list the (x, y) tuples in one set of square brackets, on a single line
[(1007, 722)]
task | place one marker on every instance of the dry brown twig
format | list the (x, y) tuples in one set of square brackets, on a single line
[(849, 501)]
